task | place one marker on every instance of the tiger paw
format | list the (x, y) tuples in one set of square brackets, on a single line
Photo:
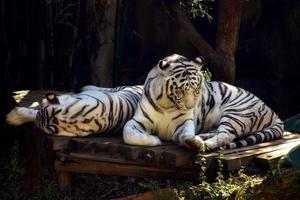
[(210, 145), (20, 115), (195, 144)]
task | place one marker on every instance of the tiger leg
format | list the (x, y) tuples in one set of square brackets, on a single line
[(185, 136), (134, 133), (219, 140), (223, 135), (273, 132), (205, 136), (232, 128)]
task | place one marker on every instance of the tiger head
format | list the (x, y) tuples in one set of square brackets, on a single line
[(46, 118), (182, 80)]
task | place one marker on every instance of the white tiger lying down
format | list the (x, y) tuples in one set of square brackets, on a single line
[(178, 103), (95, 110)]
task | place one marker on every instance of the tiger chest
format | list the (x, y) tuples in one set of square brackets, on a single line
[(168, 123)]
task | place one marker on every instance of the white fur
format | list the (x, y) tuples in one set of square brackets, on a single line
[(91, 111), (90, 87), (229, 111), (20, 115), (163, 123)]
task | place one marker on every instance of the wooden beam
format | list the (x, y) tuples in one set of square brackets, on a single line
[(64, 180), (237, 160), (118, 168)]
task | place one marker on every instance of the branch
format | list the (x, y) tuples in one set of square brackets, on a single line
[(221, 60), (203, 48)]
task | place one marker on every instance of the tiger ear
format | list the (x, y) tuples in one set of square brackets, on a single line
[(200, 61), (163, 65), (52, 98)]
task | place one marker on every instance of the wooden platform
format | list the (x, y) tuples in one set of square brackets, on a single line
[(107, 154), (110, 156)]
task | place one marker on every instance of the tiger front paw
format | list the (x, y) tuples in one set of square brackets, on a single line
[(195, 144), (210, 145)]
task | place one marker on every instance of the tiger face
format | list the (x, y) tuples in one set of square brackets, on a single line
[(183, 79)]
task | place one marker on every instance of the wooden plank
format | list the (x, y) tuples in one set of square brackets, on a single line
[(56, 143), (275, 154), (33, 155), (115, 148), (166, 155), (64, 180), (153, 154), (287, 137), (177, 156), (131, 152), (236, 161), (287, 144), (270, 160), (211, 156), (32, 98), (125, 169), (96, 145)]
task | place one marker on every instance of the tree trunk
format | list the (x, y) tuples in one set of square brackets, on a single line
[(103, 59), (228, 35), (221, 61)]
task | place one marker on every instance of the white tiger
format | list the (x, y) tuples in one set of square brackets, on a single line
[(95, 110), (177, 104)]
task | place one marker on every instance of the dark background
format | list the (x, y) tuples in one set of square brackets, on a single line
[(52, 44)]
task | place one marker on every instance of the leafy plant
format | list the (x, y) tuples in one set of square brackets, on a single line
[(198, 8), (240, 186), (207, 74)]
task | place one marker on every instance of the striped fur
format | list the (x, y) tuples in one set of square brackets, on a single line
[(94, 110), (179, 105)]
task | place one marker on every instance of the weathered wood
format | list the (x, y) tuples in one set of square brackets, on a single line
[(235, 161), (130, 152), (122, 168), (56, 143), (270, 160), (113, 148), (287, 137), (64, 180), (177, 156), (33, 153), (32, 98), (153, 154)]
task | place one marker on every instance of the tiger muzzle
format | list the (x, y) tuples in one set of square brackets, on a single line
[(189, 102)]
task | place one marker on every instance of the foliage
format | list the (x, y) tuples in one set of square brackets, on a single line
[(12, 185), (10, 175), (240, 186), (207, 74), (198, 8)]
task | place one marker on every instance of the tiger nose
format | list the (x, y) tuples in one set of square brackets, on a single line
[(189, 102)]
